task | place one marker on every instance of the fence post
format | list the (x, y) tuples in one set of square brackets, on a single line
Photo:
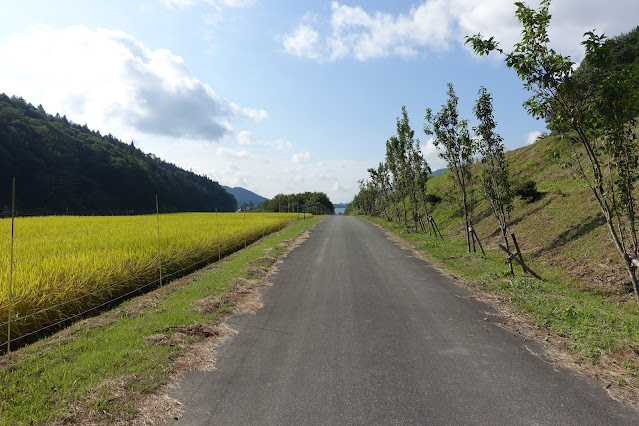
[(157, 215), (13, 217), (219, 249), (244, 214)]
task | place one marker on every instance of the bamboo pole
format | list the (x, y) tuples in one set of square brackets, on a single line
[(219, 249), (13, 218), (157, 216)]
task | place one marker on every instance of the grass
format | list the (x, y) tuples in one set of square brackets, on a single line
[(101, 370)]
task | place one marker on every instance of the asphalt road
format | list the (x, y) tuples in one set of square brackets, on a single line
[(357, 331)]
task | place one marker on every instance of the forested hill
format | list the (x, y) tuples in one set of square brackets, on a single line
[(62, 166), (244, 197)]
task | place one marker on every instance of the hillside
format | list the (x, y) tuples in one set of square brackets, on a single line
[(561, 230), (62, 166), (244, 196)]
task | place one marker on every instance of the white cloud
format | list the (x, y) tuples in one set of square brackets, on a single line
[(246, 138), (235, 155), (352, 31), (302, 42), (114, 83), (280, 145), (301, 158), (255, 114), (531, 137), (339, 187), (430, 153)]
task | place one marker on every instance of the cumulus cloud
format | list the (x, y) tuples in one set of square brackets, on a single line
[(531, 137), (302, 42), (114, 83), (301, 158), (231, 154), (430, 153), (246, 138), (352, 31)]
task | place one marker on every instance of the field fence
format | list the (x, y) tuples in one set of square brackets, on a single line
[(54, 275)]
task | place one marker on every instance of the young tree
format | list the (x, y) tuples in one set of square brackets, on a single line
[(456, 147), (494, 176), (601, 124), (393, 163), (399, 149)]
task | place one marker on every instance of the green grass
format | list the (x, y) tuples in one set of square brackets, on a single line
[(99, 374)]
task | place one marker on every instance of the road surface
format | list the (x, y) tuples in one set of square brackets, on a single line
[(357, 331)]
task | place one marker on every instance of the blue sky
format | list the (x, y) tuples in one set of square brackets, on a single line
[(275, 96)]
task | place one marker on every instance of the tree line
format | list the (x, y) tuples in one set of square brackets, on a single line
[(310, 202), (594, 107), (62, 166)]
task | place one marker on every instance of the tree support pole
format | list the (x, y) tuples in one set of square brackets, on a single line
[(518, 259)]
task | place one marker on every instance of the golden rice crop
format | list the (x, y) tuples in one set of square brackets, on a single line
[(64, 266)]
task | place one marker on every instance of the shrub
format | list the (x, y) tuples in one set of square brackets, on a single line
[(433, 198), (526, 189)]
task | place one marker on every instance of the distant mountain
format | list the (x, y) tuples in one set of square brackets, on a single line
[(244, 196), (62, 166), (438, 172), (340, 205)]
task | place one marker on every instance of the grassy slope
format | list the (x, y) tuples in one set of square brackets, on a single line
[(562, 232), (102, 369), (583, 305)]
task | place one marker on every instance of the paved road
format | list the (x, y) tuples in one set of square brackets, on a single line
[(356, 331)]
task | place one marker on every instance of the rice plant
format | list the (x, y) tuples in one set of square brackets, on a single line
[(66, 266)]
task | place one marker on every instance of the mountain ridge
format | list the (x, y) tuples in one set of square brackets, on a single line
[(63, 166), (244, 196)]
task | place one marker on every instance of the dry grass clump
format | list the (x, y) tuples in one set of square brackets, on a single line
[(263, 261), (256, 272)]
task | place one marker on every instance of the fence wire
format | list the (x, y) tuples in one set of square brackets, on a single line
[(163, 265)]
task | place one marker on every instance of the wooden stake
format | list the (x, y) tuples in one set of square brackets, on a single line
[(157, 215), (516, 256), (13, 218), (217, 226), (478, 242)]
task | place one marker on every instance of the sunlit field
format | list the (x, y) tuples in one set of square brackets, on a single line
[(64, 266)]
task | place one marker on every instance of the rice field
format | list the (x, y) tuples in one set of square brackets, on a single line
[(65, 266)]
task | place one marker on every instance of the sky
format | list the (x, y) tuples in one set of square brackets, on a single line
[(276, 96)]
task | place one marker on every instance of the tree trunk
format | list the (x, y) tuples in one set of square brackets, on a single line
[(510, 261), (632, 270)]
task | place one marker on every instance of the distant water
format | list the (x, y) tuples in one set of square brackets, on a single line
[(339, 210)]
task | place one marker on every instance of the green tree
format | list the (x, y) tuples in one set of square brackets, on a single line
[(494, 176), (599, 120), (452, 138)]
